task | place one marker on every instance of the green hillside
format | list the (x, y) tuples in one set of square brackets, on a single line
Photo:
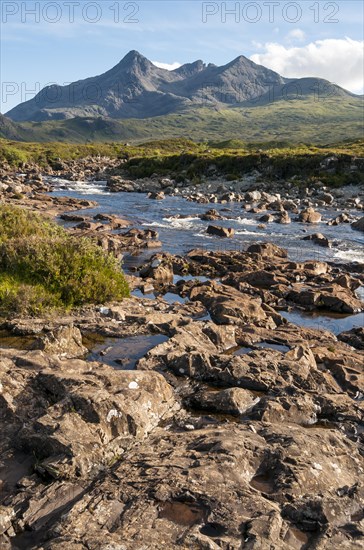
[(304, 120)]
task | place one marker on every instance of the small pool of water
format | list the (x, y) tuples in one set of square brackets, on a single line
[(334, 322), (11, 341), (242, 351), (183, 513), (139, 294), (262, 483), (262, 345), (278, 347), (123, 353), (172, 297), (200, 278), (360, 293), (169, 297)]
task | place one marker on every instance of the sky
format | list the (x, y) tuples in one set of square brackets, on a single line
[(44, 42)]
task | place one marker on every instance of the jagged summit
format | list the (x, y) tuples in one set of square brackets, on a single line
[(136, 88)]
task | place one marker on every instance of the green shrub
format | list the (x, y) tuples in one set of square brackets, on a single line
[(16, 222), (13, 155), (25, 299), (43, 267)]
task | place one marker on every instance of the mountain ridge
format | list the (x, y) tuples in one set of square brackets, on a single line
[(136, 88)]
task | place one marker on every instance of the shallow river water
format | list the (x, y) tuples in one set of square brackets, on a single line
[(178, 236)]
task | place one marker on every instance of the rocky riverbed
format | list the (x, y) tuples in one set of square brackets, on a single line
[(219, 407)]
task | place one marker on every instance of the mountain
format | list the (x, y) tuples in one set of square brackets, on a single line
[(9, 129), (135, 88)]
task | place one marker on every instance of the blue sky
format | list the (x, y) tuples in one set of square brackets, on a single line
[(64, 41)]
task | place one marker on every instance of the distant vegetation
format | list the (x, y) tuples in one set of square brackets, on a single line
[(302, 120), (185, 159), (42, 267)]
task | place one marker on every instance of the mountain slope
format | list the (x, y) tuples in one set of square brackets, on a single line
[(135, 88), (305, 120), (11, 130)]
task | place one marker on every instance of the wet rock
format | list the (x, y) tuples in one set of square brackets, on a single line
[(116, 184), (253, 196), (353, 337), (90, 226), (342, 218), (158, 270), (156, 195), (229, 306), (74, 218), (309, 215), (211, 215), (220, 231), (267, 250), (283, 218), (358, 225), (327, 198), (266, 218), (318, 238), (333, 298), (65, 341), (114, 221)]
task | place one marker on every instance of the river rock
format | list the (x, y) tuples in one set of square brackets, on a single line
[(220, 231), (327, 198), (342, 218), (227, 305), (353, 337), (253, 196), (267, 250), (283, 218), (77, 418), (65, 341), (211, 215), (333, 298), (266, 218), (318, 238), (234, 401), (156, 195), (359, 224), (309, 215)]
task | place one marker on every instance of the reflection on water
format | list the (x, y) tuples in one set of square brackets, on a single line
[(11, 341), (122, 353), (334, 322), (278, 347)]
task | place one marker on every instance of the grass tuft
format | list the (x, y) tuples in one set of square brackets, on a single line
[(42, 267)]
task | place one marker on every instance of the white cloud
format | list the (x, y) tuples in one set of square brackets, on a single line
[(338, 60), (168, 66), (296, 34)]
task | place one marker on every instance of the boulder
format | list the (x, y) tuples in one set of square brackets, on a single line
[(234, 401), (358, 225), (318, 238), (327, 198), (253, 196), (309, 215), (342, 218), (211, 215), (65, 341), (156, 195), (353, 337), (266, 218), (220, 231), (228, 306), (283, 218), (267, 250), (333, 298)]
